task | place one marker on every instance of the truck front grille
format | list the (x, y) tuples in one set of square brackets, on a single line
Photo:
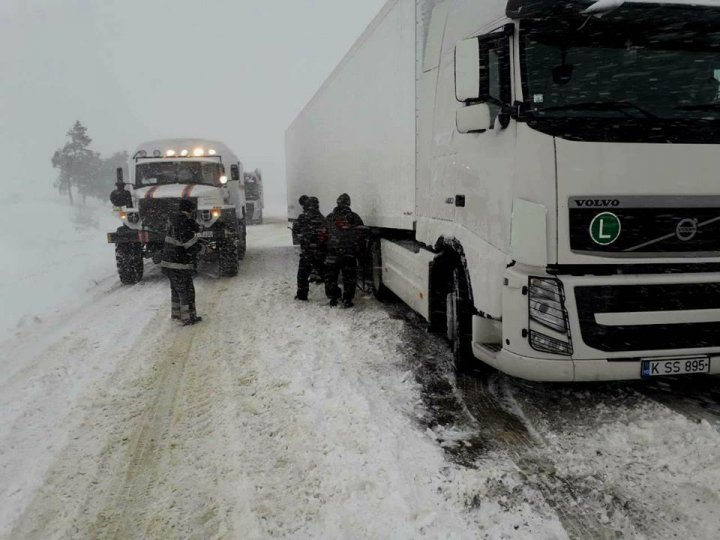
[(646, 298), (683, 226), (155, 213)]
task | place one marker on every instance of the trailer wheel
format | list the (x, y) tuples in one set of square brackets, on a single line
[(459, 320), (129, 261), (228, 258), (380, 291)]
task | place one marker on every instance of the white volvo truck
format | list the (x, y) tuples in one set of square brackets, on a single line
[(161, 174), (542, 178)]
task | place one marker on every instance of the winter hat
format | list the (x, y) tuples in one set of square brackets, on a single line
[(186, 205), (343, 200)]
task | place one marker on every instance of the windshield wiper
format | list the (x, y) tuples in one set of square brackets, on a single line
[(701, 107), (619, 106)]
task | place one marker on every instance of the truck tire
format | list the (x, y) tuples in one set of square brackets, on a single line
[(375, 271), (228, 258), (459, 320), (129, 261), (242, 243)]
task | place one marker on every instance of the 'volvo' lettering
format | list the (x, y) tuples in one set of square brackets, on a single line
[(597, 203)]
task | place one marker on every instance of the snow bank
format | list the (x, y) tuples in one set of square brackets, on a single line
[(53, 256)]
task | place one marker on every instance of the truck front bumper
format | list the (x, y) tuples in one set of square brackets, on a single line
[(552, 370), (130, 236)]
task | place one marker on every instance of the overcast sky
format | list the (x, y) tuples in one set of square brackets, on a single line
[(133, 70)]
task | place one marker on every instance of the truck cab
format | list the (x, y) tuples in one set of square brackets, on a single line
[(254, 196), (161, 174)]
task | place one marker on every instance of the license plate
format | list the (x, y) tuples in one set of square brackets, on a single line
[(681, 366), (207, 234)]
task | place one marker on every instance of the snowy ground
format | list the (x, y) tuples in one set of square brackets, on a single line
[(53, 255), (274, 419)]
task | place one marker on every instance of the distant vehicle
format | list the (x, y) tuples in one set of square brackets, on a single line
[(254, 198), (161, 174), (541, 178)]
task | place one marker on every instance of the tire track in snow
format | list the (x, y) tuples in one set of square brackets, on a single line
[(695, 397), (476, 402), (126, 514), (101, 479), (570, 417)]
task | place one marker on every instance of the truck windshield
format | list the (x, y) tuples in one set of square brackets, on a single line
[(663, 79), (178, 172)]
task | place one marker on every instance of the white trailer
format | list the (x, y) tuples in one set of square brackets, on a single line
[(540, 177)]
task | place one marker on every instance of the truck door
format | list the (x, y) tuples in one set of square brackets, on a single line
[(484, 149)]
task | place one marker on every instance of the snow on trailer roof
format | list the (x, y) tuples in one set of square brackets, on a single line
[(534, 8)]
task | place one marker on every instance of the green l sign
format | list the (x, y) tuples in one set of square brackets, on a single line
[(605, 228)]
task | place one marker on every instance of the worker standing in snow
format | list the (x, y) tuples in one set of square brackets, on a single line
[(345, 235), (310, 231), (178, 262), (121, 197)]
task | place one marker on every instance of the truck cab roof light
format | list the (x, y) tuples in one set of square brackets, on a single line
[(170, 153), (198, 152), (184, 153), (212, 152)]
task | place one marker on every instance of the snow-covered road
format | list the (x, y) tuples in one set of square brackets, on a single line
[(274, 419)]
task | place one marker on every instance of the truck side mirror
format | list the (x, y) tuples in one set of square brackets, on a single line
[(234, 172), (474, 119), (467, 70), (120, 175)]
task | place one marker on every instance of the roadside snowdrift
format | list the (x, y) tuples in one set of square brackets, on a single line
[(52, 254)]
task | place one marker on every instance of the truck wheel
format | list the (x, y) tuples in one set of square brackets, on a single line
[(459, 320), (228, 257), (129, 261), (376, 272), (242, 243)]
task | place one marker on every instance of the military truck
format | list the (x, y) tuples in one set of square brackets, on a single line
[(164, 172)]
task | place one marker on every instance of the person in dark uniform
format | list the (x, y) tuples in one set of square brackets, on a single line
[(121, 197), (345, 234), (310, 230), (178, 262)]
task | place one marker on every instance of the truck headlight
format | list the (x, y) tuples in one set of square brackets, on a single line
[(547, 303), (216, 212), (541, 342), (546, 300)]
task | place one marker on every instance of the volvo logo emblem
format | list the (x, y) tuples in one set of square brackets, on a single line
[(686, 229)]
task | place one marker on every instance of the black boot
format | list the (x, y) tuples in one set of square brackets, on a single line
[(301, 296), (192, 321)]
